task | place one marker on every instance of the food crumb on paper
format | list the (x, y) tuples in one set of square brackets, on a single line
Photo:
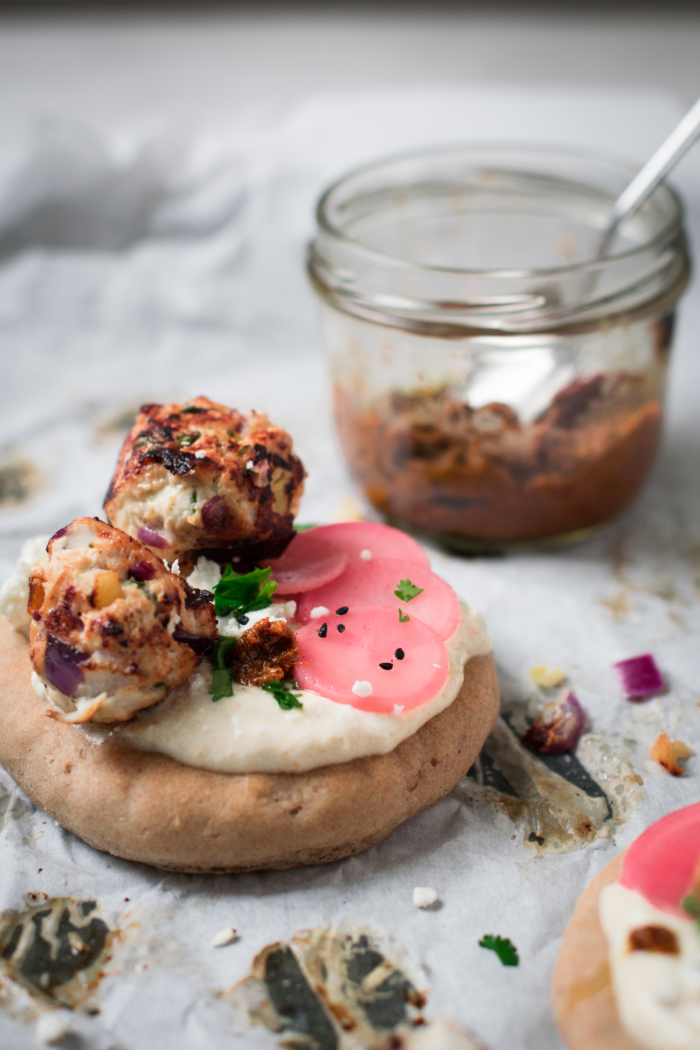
[(53, 1026), (547, 677), (224, 937), (669, 752), (424, 897)]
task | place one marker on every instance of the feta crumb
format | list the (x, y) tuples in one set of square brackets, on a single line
[(206, 575), (175, 567), (319, 610), (224, 937), (424, 896), (398, 708), (53, 1026), (365, 555), (200, 454), (362, 688), (547, 677), (438, 666), (249, 465)]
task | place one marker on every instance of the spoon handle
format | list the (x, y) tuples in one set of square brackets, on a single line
[(645, 182)]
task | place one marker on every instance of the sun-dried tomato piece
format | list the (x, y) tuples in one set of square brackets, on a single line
[(266, 652)]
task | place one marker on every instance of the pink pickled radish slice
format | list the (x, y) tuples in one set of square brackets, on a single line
[(374, 582), (660, 864), (305, 564), (332, 662), (306, 576)]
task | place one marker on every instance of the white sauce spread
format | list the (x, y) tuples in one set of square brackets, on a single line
[(657, 994)]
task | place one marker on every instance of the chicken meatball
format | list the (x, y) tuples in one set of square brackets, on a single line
[(113, 631), (201, 478)]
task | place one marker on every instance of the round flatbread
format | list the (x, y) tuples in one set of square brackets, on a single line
[(145, 806), (583, 1000)]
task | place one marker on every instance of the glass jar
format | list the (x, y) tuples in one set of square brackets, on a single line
[(496, 386)]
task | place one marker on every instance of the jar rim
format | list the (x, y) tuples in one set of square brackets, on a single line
[(673, 225)]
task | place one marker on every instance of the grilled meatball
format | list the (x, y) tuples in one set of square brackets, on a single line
[(112, 630), (205, 479)]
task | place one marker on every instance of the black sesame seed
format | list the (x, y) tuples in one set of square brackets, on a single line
[(399, 654), (323, 630), (341, 611), (243, 620), (341, 628), (386, 667)]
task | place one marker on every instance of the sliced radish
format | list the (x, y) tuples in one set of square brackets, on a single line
[(662, 862), (374, 582), (306, 575), (306, 562), (368, 659)]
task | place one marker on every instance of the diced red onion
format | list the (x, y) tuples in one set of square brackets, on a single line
[(61, 532), (639, 677), (61, 666), (143, 570), (215, 513), (198, 643), (151, 538), (557, 727)]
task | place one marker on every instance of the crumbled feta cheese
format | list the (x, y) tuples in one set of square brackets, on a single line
[(547, 677), (175, 567), (224, 937), (362, 688), (205, 576), (438, 666), (365, 555), (319, 610), (200, 454), (424, 897), (53, 1026), (249, 465), (398, 708), (14, 593)]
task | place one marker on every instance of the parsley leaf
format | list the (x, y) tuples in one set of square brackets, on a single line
[(402, 618), (283, 694), (407, 591), (194, 411), (691, 905), (304, 528), (221, 682), (189, 438), (506, 952), (239, 594)]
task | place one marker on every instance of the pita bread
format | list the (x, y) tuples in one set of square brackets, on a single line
[(145, 806), (583, 1000)]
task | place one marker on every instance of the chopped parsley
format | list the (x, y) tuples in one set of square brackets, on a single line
[(193, 498), (407, 591), (221, 682), (304, 528), (691, 905), (506, 952), (189, 438), (282, 692), (402, 618), (239, 594), (192, 410)]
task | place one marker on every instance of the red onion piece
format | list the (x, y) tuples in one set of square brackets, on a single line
[(639, 677), (61, 666), (143, 570), (557, 727), (198, 643), (151, 538), (215, 513)]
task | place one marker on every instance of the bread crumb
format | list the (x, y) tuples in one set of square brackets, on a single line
[(547, 677), (424, 897), (668, 752), (362, 688), (319, 610), (224, 937), (53, 1026)]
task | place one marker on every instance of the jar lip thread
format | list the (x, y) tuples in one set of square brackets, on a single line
[(591, 266)]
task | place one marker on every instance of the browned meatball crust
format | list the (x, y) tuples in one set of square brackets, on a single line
[(201, 478), (113, 631)]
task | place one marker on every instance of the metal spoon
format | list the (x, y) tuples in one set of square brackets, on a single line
[(655, 169)]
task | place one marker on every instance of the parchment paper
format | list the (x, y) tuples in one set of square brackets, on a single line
[(156, 262)]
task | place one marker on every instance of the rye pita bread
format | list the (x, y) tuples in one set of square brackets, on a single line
[(583, 1000), (144, 806)]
